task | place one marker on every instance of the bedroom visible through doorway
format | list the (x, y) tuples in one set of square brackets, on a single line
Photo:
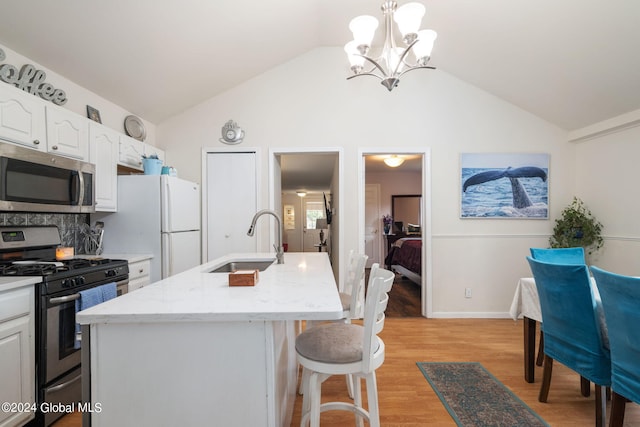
[(394, 196)]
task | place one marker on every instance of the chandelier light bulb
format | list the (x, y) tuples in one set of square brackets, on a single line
[(363, 28), (422, 49), (355, 59), (409, 17)]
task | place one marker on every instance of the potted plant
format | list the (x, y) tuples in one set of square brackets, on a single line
[(577, 227)]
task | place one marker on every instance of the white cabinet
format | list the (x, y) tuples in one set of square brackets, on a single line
[(17, 366), (130, 152), (103, 150), (67, 133), (22, 118), (139, 274)]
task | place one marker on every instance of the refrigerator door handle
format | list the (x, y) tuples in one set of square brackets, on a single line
[(166, 226), (167, 256), (170, 257)]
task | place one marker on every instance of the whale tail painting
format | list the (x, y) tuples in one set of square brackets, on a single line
[(521, 199)]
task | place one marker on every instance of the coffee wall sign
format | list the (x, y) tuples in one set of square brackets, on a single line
[(31, 80)]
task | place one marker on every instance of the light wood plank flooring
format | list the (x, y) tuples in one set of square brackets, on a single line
[(406, 399)]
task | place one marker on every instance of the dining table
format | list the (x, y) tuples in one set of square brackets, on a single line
[(526, 303)]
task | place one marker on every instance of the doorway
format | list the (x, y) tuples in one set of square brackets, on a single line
[(412, 232), (316, 172)]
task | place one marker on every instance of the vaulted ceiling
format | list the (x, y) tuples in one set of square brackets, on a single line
[(571, 62)]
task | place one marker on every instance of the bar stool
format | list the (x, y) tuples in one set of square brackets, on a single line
[(350, 298), (346, 349)]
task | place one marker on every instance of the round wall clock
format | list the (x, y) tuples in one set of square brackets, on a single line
[(231, 133)]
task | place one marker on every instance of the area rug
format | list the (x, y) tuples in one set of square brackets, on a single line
[(475, 398)]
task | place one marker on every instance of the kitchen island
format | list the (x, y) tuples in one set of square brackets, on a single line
[(191, 350)]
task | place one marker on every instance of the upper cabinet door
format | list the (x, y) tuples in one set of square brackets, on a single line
[(130, 152), (22, 118), (104, 155), (67, 133)]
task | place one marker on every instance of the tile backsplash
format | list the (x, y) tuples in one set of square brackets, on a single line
[(71, 226)]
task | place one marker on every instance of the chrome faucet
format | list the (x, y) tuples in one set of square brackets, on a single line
[(278, 246)]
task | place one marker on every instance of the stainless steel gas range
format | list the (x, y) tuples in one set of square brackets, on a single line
[(31, 251)]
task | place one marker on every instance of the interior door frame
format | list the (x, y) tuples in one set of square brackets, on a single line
[(275, 199), (427, 284)]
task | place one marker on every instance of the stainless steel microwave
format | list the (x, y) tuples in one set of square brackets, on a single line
[(32, 181)]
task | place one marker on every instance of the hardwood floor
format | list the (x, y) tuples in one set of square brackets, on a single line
[(406, 398), (404, 298)]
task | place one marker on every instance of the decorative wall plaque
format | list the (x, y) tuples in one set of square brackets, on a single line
[(31, 80)]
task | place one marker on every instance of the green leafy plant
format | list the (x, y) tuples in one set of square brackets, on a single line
[(577, 227)]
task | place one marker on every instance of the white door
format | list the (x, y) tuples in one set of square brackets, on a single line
[(313, 209), (180, 205), (372, 217), (231, 203), (180, 252)]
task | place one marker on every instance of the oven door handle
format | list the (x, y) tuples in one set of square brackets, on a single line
[(67, 298), (63, 385)]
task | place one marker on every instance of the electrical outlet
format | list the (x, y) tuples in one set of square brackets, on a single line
[(467, 292)]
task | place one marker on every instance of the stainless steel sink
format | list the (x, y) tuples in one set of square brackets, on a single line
[(244, 264)]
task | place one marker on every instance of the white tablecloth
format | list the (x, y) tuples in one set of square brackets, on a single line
[(527, 303)]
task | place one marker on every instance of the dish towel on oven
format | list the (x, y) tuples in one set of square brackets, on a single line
[(91, 297)]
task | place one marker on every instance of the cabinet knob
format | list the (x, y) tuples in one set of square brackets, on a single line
[(227, 235), (55, 147), (141, 270), (36, 142)]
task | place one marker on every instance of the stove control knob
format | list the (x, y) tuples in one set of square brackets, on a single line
[(80, 280), (110, 273), (67, 283)]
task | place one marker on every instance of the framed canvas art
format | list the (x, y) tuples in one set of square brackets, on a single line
[(504, 185)]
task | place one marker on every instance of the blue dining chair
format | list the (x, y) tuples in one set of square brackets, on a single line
[(572, 329), (558, 256), (620, 297)]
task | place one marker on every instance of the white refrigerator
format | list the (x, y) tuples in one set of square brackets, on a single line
[(157, 215)]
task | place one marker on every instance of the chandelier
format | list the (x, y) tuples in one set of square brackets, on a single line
[(393, 61)]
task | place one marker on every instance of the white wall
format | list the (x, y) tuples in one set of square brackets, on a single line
[(78, 97), (309, 102), (607, 181), (394, 182)]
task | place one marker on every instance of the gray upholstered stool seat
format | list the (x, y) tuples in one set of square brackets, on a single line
[(332, 343)]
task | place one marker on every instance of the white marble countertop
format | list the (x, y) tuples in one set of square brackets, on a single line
[(8, 283), (301, 288)]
